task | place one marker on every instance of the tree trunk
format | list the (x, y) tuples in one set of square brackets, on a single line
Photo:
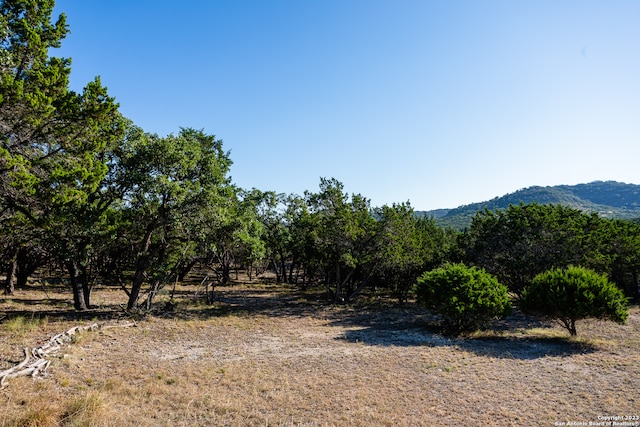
[(225, 259), (10, 284), (80, 300), (360, 287), (572, 329), (570, 325), (226, 272), (138, 280), (336, 297), (26, 267), (84, 282), (141, 266), (187, 269), (283, 270), (291, 269), (250, 271)]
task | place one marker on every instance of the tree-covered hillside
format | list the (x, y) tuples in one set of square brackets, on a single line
[(610, 199)]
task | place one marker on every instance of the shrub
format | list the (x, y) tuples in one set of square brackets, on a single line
[(467, 298), (568, 295)]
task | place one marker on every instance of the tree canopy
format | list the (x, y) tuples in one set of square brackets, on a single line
[(87, 193), (575, 293)]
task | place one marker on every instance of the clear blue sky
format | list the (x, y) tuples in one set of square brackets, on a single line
[(441, 103)]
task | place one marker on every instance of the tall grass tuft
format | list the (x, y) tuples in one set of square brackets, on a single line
[(39, 415), (82, 411), (22, 326)]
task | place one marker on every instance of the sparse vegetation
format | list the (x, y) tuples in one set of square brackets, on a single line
[(87, 409), (21, 325), (271, 355)]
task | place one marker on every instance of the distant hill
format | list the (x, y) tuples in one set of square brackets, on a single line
[(610, 199)]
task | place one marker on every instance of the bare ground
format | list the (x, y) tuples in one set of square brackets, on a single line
[(267, 356)]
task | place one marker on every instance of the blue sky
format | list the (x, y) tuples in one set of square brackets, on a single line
[(441, 103)]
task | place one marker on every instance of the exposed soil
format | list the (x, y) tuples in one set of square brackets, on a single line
[(268, 356)]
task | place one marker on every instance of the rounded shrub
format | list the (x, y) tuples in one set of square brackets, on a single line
[(574, 293), (467, 298)]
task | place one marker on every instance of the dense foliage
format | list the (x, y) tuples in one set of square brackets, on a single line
[(466, 297), (518, 243), (86, 193), (55, 146), (575, 293)]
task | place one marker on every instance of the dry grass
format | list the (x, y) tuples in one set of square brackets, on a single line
[(266, 356)]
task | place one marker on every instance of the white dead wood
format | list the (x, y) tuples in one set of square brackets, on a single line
[(36, 360)]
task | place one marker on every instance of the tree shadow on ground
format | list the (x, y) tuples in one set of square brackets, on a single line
[(376, 324), (102, 314), (59, 309), (55, 302), (388, 324), (265, 302), (506, 338)]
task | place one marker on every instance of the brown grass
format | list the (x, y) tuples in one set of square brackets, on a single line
[(269, 356)]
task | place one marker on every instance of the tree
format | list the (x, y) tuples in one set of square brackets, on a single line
[(466, 297), (277, 214), (617, 254), (528, 239), (302, 231), (231, 233), (406, 246), (525, 240), (171, 181), (53, 140), (400, 259), (575, 293), (343, 239), (250, 245)]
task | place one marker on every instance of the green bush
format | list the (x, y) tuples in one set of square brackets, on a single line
[(467, 298), (568, 295)]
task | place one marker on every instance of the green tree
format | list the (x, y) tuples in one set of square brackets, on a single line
[(302, 235), (400, 259), (466, 297), (525, 240), (617, 254), (231, 233), (250, 244), (343, 238), (53, 140), (171, 181), (528, 239), (406, 246), (277, 235), (575, 293)]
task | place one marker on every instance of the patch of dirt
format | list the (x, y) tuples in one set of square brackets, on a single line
[(269, 356)]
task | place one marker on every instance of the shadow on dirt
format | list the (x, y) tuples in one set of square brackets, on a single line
[(392, 325), (502, 347), (65, 315), (262, 302), (375, 324), (508, 341), (55, 302)]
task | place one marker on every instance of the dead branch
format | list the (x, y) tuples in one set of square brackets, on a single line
[(36, 360)]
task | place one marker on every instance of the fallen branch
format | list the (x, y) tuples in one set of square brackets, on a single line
[(36, 360)]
